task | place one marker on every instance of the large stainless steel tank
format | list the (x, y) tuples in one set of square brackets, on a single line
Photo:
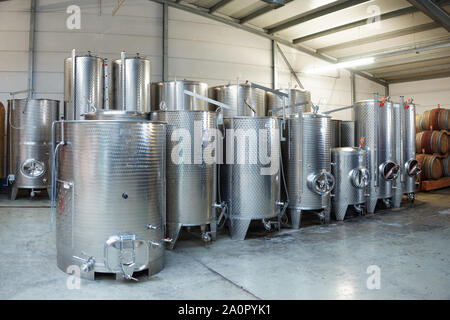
[(373, 121), (191, 170), (352, 177), (29, 124), (251, 184), (172, 94), (109, 191), (348, 134), (116, 115), (336, 140), (84, 81), (136, 76), (296, 97), (292, 153), (317, 181), (405, 150), (243, 99)]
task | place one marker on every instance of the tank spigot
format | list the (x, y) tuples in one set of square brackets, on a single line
[(151, 227), (206, 236), (88, 265)]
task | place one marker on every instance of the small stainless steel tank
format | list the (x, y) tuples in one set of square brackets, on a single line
[(374, 122), (336, 133), (250, 184), (174, 98), (297, 98), (136, 76), (243, 99), (352, 177), (191, 170), (317, 181), (29, 126), (109, 192), (116, 115), (84, 85), (348, 134), (404, 151)]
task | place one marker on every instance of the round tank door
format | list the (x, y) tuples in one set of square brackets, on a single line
[(413, 168), (32, 168), (360, 177), (389, 170), (322, 183)]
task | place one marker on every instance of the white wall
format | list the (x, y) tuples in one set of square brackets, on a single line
[(427, 94), (198, 49)]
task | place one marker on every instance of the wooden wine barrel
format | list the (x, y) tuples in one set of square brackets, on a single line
[(444, 119), (446, 165), (418, 127), (431, 166), (434, 119), (425, 120), (419, 148), (432, 142)]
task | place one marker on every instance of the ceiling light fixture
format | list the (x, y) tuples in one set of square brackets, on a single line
[(341, 65)]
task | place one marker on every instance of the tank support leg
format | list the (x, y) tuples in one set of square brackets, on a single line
[(296, 218), (397, 199), (49, 192), (213, 227), (239, 228), (173, 231), (340, 211), (14, 192), (371, 203), (327, 213)]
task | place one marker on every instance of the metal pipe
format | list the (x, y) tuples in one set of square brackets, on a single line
[(123, 57), (31, 39)]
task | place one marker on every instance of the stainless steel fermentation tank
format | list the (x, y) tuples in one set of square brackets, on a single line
[(191, 171), (250, 184), (348, 134), (131, 85), (84, 85), (348, 167), (29, 145), (297, 99), (109, 193), (171, 94), (336, 128), (374, 126), (243, 99), (405, 151), (116, 115), (315, 179)]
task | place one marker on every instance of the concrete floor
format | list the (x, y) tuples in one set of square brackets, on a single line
[(409, 245)]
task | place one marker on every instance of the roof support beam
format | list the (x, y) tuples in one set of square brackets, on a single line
[(416, 71), (290, 67), (382, 36), (315, 13), (445, 74), (259, 12), (261, 33), (219, 5), (432, 10), (362, 22), (401, 50)]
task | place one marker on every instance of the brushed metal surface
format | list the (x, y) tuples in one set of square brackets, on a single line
[(345, 160), (316, 157), (249, 194), (110, 179), (296, 96), (191, 188), (348, 134), (240, 98), (336, 140), (116, 115), (386, 146), (29, 126), (137, 88), (409, 145), (88, 86), (172, 93)]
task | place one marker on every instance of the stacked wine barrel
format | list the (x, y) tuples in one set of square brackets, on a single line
[(433, 143)]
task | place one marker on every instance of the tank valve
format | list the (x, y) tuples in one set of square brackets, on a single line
[(411, 196), (88, 265), (387, 203), (206, 237), (151, 227)]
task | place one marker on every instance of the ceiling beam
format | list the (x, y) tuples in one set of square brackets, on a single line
[(381, 36), (362, 22), (313, 14), (219, 5), (443, 42), (432, 10), (260, 12), (399, 62), (445, 74), (231, 22), (415, 71)]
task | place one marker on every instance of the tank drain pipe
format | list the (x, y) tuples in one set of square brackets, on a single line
[(358, 207), (223, 214), (387, 202)]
